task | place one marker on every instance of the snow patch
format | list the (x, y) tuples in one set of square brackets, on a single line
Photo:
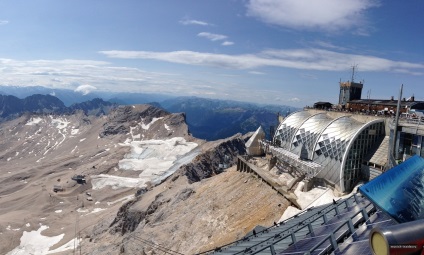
[(82, 210), (13, 229), (34, 121), (60, 123), (81, 140), (156, 159), (96, 210), (289, 212), (58, 211), (123, 199), (76, 146), (146, 127), (167, 127), (35, 243), (315, 197), (74, 131), (67, 246), (116, 182)]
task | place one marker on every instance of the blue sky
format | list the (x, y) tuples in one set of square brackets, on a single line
[(291, 52)]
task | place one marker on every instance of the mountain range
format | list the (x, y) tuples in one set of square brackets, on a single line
[(208, 119)]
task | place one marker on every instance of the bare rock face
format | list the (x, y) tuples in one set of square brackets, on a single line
[(211, 162), (123, 117), (155, 207), (126, 219)]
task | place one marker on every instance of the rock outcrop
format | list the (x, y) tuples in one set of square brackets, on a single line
[(123, 117), (213, 161)]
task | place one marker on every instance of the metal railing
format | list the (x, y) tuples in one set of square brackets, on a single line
[(309, 168)]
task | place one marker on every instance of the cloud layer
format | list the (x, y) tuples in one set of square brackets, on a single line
[(103, 76), (326, 15), (304, 59)]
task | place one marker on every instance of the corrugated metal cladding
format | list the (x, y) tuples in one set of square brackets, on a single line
[(337, 144)]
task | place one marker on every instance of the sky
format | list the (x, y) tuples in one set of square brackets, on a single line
[(287, 52)]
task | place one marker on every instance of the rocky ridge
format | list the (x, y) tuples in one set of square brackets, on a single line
[(13, 107), (201, 205)]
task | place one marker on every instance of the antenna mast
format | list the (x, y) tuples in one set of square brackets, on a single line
[(353, 72)]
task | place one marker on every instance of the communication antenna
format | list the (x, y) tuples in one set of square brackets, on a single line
[(353, 72)]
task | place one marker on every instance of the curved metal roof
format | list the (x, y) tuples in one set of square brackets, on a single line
[(326, 141), (358, 132), (331, 146), (308, 133), (289, 126)]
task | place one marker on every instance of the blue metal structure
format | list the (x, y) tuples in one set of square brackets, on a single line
[(400, 191)]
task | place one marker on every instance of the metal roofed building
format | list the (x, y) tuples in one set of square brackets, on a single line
[(337, 144)]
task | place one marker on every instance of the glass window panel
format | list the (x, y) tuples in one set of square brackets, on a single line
[(414, 150), (415, 140)]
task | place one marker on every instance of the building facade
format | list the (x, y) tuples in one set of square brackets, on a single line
[(337, 144), (384, 106), (349, 91)]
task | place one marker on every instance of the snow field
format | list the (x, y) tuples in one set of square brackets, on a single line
[(35, 243), (154, 158), (313, 198)]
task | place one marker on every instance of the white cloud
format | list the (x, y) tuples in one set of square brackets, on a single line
[(194, 22), (227, 43), (216, 83), (3, 22), (256, 72), (328, 45), (212, 37), (294, 99), (328, 15), (85, 89), (69, 74), (304, 59)]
